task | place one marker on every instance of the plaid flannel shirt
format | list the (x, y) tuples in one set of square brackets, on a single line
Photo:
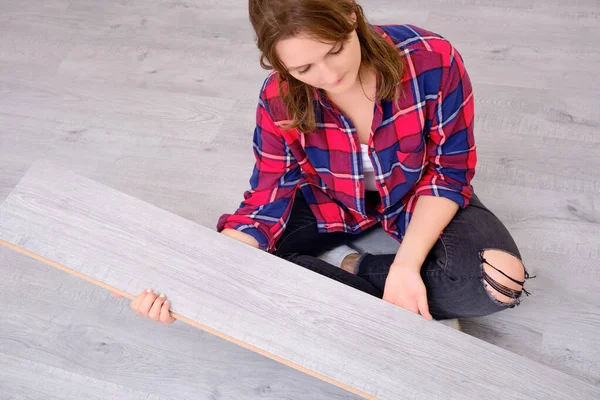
[(424, 146)]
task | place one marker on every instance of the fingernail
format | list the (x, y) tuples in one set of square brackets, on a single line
[(148, 290), (162, 295)]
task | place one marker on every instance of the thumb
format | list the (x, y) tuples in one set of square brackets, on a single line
[(424, 307)]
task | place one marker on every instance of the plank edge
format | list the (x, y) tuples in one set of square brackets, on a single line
[(194, 323)]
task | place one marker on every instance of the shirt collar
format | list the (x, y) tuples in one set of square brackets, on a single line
[(320, 95)]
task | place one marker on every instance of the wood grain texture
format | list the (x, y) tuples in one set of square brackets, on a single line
[(56, 384), (105, 88), (87, 339), (324, 328)]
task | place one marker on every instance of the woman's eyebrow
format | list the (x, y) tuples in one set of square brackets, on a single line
[(306, 65)]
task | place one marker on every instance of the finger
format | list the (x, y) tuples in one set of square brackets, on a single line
[(154, 313), (165, 315), (135, 303), (117, 295), (424, 307), (386, 295), (412, 308), (146, 303), (409, 305)]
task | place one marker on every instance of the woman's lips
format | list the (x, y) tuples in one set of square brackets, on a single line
[(340, 81)]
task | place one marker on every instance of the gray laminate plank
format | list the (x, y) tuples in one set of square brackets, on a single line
[(236, 292), (56, 384), (537, 114), (153, 117), (80, 331)]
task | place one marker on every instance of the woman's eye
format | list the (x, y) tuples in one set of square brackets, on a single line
[(335, 53), (338, 51)]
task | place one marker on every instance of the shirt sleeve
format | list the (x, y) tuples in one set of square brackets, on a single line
[(267, 204), (451, 150)]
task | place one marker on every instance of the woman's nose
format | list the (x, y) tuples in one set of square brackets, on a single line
[(329, 76)]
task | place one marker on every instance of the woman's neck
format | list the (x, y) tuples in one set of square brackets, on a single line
[(365, 85)]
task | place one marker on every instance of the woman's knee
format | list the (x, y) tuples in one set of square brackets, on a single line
[(503, 276)]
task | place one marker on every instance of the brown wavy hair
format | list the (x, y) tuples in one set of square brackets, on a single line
[(328, 21)]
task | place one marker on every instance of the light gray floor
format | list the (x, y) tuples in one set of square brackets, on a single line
[(157, 99)]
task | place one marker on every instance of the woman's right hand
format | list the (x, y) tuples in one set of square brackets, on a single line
[(152, 306)]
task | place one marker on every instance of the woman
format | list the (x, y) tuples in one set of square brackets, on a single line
[(361, 126)]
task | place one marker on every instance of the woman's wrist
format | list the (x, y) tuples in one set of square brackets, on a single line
[(407, 259), (411, 265)]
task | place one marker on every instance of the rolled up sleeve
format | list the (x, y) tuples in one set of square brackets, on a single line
[(451, 150), (267, 204)]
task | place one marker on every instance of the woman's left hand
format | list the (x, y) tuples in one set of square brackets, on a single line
[(405, 288)]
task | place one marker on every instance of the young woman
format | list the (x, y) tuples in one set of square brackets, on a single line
[(362, 126)]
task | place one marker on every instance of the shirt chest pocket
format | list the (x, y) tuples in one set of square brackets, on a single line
[(411, 163)]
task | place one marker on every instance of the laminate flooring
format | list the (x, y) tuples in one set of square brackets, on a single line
[(157, 99), (268, 305)]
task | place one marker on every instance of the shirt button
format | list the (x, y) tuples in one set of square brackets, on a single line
[(383, 184)]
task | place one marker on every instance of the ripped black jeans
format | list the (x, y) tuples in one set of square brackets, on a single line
[(458, 272)]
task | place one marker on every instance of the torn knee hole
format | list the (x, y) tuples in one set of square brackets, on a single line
[(503, 276)]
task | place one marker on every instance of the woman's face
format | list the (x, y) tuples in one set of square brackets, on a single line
[(332, 67)]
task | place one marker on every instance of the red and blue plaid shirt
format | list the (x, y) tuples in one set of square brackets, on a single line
[(424, 145)]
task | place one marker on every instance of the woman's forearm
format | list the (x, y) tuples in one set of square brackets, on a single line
[(241, 236), (432, 214)]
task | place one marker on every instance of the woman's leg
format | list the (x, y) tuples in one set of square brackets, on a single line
[(301, 243), (474, 269)]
